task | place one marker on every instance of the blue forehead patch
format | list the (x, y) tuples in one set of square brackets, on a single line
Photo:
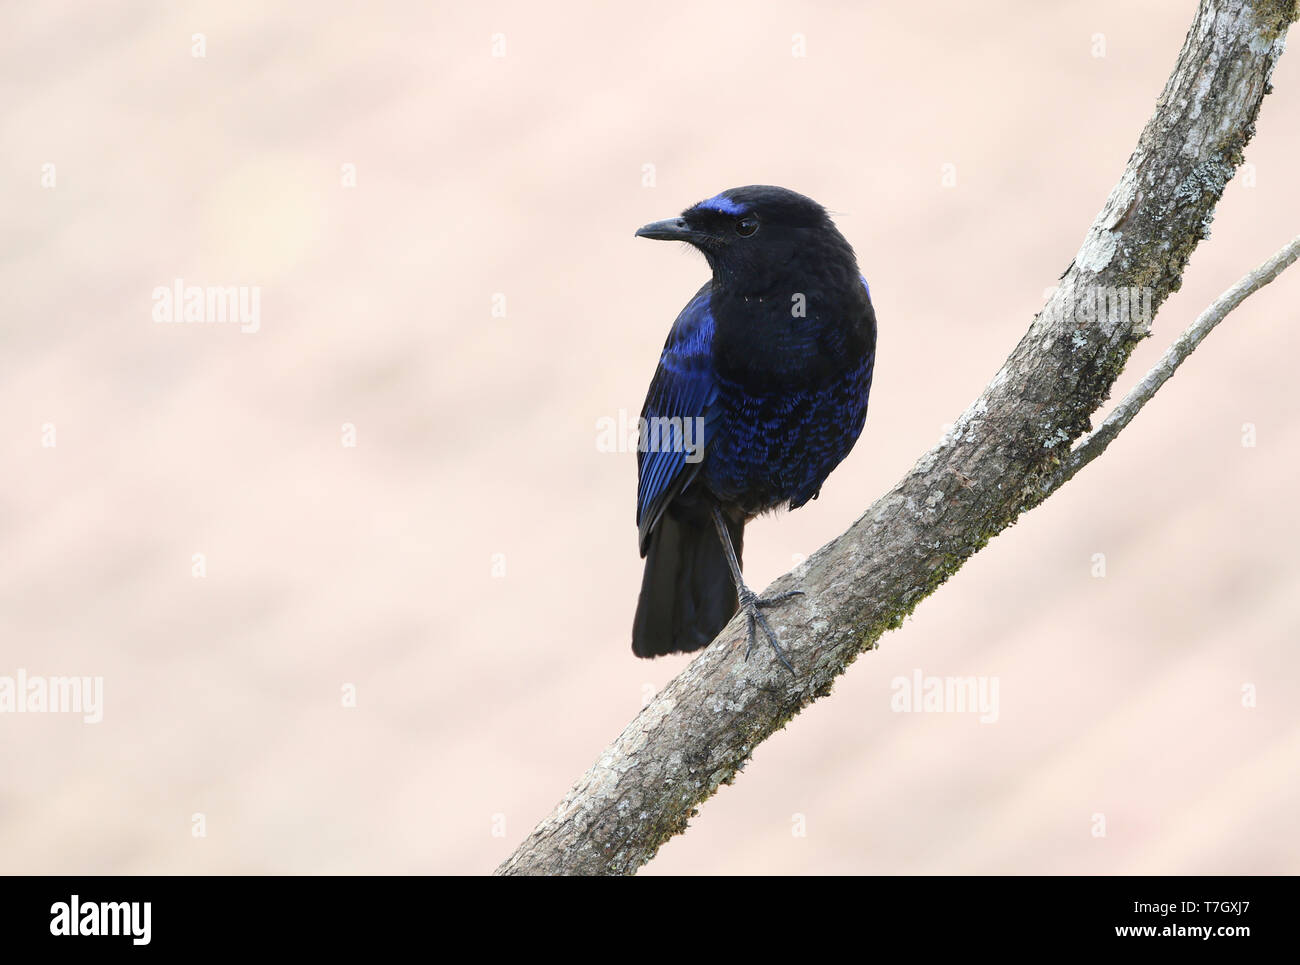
[(722, 204)]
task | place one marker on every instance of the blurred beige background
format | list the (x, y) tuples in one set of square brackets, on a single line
[(470, 566)]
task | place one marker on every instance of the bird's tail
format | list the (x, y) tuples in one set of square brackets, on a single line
[(687, 594)]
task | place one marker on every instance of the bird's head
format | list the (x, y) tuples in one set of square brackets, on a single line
[(752, 236)]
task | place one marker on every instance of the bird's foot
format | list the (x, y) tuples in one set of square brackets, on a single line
[(753, 605)]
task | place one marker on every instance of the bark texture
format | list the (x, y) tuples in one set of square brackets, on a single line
[(1003, 455)]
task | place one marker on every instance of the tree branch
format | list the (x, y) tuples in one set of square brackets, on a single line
[(991, 467), (1094, 443)]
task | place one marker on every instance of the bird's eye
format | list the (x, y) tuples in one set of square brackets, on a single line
[(746, 227)]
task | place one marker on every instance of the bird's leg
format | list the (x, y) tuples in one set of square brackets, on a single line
[(750, 601)]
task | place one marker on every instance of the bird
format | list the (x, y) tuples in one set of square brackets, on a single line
[(760, 392)]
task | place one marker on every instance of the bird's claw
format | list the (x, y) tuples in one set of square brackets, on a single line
[(753, 605)]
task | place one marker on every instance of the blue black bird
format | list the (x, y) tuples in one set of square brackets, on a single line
[(760, 392)]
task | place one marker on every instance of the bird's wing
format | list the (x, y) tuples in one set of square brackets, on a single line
[(677, 414)]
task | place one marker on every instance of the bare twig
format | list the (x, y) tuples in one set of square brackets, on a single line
[(1094, 443)]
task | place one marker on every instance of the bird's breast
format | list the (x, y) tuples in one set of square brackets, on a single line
[(777, 445)]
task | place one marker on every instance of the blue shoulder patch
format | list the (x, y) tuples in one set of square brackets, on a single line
[(678, 411)]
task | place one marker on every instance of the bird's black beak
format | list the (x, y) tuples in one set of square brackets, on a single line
[(673, 229)]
